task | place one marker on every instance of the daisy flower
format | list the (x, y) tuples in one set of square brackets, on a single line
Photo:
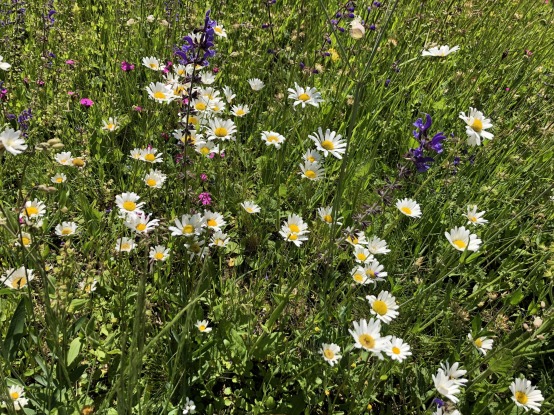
[(355, 238), (409, 207), (10, 141), (312, 171), (454, 373), (446, 386), (111, 124), (303, 96), (256, 84), (127, 203), (207, 78), (475, 217), (155, 179), (214, 220), (16, 393), (189, 225), (17, 278), (203, 327), (190, 407), (229, 95), (525, 395), (159, 253), (362, 254), (476, 124), (374, 271), (273, 138), (325, 214), (377, 246), (329, 143), (124, 245), (222, 129), (206, 148), (359, 276), (201, 105), (383, 306), (295, 238), (367, 335), (396, 349), (461, 239), (440, 51), (88, 287), (58, 178), (4, 65), (24, 239), (196, 249), (33, 209), (240, 110), (219, 239), (151, 155), (141, 223), (180, 70), (250, 206), (295, 224), (186, 137), (152, 63), (312, 156), (220, 31), (136, 154), (64, 158), (330, 352), (483, 344), (160, 92), (66, 229)]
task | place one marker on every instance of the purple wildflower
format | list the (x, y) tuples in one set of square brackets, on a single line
[(86, 102), (205, 198), (127, 66)]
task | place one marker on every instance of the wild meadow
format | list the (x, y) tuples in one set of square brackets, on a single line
[(276, 207)]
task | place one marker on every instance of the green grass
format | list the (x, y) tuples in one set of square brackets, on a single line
[(131, 346)]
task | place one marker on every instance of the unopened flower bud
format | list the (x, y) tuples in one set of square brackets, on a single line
[(537, 322), (53, 141), (59, 145)]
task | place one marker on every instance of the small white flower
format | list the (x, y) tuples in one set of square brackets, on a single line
[(160, 92), (362, 254), (16, 394), (312, 171), (152, 63), (461, 239), (17, 278), (64, 158), (190, 407), (58, 178), (256, 84), (4, 65), (454, 372), (329, 143), (367, 336), (124, 245), (446, 386), (383, 306), (525, 395), (304, 96), (207, 78), (250, 206), (110, 125), (409, 207), (331, 353), (220, 31), (273, 138), (11, 141), (66, 229), (474, 217), (219, 239), (377, 246), (229, 95), (483, 344), (396, 349), (440, 51), (159, 253), (202, 326), (240, 110), (476, 124)]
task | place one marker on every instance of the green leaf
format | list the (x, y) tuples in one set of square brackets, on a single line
[(15, 331), (516, 297), (74, 349)]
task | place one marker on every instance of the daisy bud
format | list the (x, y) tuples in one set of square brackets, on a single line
[(357, 30), (537, 322), (58, 145)]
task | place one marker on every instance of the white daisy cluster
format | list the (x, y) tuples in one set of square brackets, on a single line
[(461, 238)]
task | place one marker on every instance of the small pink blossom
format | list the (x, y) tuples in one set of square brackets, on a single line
[(87, 102)]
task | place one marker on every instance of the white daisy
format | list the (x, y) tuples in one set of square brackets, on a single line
[(359, 276), (525, 395), (58, 178), (207, 78), (152, 63), (66, 229), (474, 217), (312, 171), (240, 110), (483, 344), (367, 335), (476, 124), (180, 70), (124, 245), (88, 287), (189, 225), (377, 246), (16, 393), (33, 209), (383, 306), (461, 239), (9, 140), (304, 96), (127, 203), (325, 214), (201, 105), (206, 148), (329, 143), (214, 220), (290, 236), (229, 95), (220, 31), (454, 372), (160, 93), (330, 352), (271, 138), (151, 155), (409, 207), (111, 124), (155, 179), (440, 51), (446, 386), (219, 239), (250, 206), (4, 65), (396, 349), (64, 158), (256, 84), (312, 156), (17, 278), (355, 238), (141, 223), (159, 253), (221, 129), (202, 326), (374, 271), (24, 239), (362, 254), (197, 249), (190, 407)]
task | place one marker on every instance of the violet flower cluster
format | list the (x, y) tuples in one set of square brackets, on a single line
[(434, 144), (198, 45)]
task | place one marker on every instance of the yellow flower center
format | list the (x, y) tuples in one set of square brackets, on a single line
[(67, 231), (249, 210), (218, 29), (181, 72), (370, 273), (303, 97), (59, 179), (220, 132), (31, 210), (212, 222), (129, 206), (327, 218), (477, 125), (310, 174), (193, 120), (215, 108), (126, 246), (521, 397), (272, 139), (380, 307), (473, 218), (329, 354), (178, 90), (293, 237), (478, 342), (311, 159), (366, 341), (201, 327), (159, 256), (406, 210), (14, 395), (294, 228), (26, 241), (459, 243), (358, 277), (110, 126), (159, 95), (200, 106), (396, 350), (361, 256), (188, 229), (352, 239), (153, 65), (205, 151), (78, 162), (140, 227), (19, 282), (151, 182), (328, 145), (240, 112), (150, 157)]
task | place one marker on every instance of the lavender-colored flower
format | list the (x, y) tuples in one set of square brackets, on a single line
[(86, 102), (422, 127), (127, 66), (70, 62), (436, 143)]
